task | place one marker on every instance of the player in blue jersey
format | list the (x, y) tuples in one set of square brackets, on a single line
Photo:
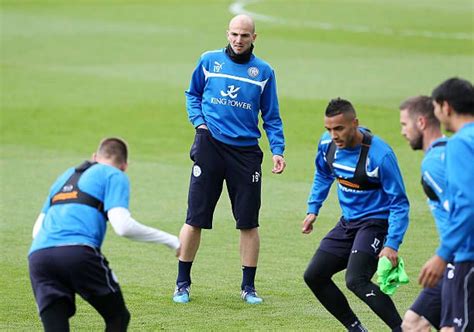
[(229, 89), (65, 257), (423, 132), (454, 107), (374, 216)]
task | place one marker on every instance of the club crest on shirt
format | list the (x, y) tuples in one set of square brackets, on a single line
[(253, 72)]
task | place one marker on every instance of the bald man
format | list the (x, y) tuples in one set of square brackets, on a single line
[(229, 88)]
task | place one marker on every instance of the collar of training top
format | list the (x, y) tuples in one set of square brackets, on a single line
[(239, 58)]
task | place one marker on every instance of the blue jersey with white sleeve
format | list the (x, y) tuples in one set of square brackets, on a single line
[(458, 238), (388, 202), (433, 174), (80, 224), (227, 97)]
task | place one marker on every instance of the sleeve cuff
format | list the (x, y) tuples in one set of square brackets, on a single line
[(278, 150), (198, 121), (392, 244), (312, 208), (444, 253)]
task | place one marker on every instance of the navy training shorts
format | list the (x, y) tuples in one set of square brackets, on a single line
[(463, 297), (366, 235), (214, 162), (61, 272), (435, 303)]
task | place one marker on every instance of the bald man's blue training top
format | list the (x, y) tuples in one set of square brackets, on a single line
[(228, 97)]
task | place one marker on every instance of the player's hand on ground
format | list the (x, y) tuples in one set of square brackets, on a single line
[(279, 164), (391, 254), (432, 271), (308, 223)]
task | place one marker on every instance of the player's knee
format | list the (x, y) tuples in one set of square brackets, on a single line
[(118, 322), (308, 278), (355, 282), (321, 269), (312, 277), (414, 322), (250, 234), (409, 321), (126, 316)]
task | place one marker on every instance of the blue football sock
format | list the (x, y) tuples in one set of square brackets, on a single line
[(184, 274), (248, 276)]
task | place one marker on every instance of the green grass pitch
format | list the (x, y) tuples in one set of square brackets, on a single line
[(72, 72)]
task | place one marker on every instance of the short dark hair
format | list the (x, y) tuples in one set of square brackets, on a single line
[(458, 93), (114, 148), (420, 105), (339, 106)]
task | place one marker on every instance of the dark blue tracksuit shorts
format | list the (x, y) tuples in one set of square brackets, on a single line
[(435, 303), (61, 272), (214, 162), (463, 297), (357, 235)]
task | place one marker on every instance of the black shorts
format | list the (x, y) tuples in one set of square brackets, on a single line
[(463, 297), (435, 303), (215, 162), (360, 235), (61, 272)]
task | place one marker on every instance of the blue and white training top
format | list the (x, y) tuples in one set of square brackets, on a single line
[(389, 202), (227, 97), (80, 224), (433, 172), (458, 238)]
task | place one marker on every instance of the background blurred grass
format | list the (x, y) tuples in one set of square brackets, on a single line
[(74, 72)]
